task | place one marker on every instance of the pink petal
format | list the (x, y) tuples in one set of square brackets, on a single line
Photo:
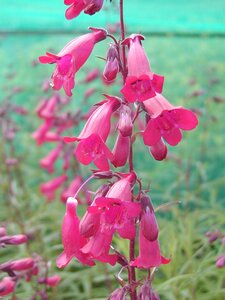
[(152, 133), (185, 118), (172, 136)]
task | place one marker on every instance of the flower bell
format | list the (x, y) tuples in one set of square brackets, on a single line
[(71, 58), (166, 121), (141, 83)]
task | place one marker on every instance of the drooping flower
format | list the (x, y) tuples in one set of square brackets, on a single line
[(50, 281), (98, 246), (149, 224), (13, 239), (7, 286), (17, 265), (121, 150), (89, 7), (149, 250), (118, 294), (47, 107), (220, 263), (159, 150), (49, 188), (147, 292), (149, 254), (166, 121), (71, 58), (141, 83), (92, 138), (71, 238), (114, 212), (72, 188), (125, 124), (48, 161)]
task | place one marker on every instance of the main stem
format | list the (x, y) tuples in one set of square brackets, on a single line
[(131, 270)]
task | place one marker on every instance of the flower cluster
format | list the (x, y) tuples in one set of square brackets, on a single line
[(139, 110), (22, 269), (56, 122)]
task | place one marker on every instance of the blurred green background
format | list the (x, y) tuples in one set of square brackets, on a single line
[(185, 41)]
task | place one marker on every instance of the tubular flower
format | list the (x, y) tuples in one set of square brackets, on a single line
[(72, 188), (166, 121), (92, 138), (89, 7), (141, 83), (7, 286), (49, 188), (149, 253), (98, 246), (121, 150), (108, 214), (48, 161), (159, 150), (71, 58), (71, 238)]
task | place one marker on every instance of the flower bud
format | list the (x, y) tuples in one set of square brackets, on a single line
[(112, 66), (148, 220), (7, 286), (21, 264), (2, 231), (50, 281), (159, 150), (13, 239), (121, 151), (125, 124), (220, 263), (118, 294)]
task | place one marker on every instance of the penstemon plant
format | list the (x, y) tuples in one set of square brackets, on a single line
[(121, 205)]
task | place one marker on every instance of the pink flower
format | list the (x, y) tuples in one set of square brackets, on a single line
[(71, 238), (72, 188), (147, 293), (40, 134), (159, 150), (47, 108), (2, 231), (90, 7), (94, 149), (18, 265), (112, 65), (166, 121), (121, 151), (141, 83), (125, 124), (71, 58), (149, 251), (49, 188), (7, 286), (118, 294), (92, 75), (48, 161), (117, 214), (92, 138), (98, 246), (149, 255), (220, 263), (149, 224), (13, 239), (50, 281)]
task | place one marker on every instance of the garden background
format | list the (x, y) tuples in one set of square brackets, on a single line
[(185, 41)]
